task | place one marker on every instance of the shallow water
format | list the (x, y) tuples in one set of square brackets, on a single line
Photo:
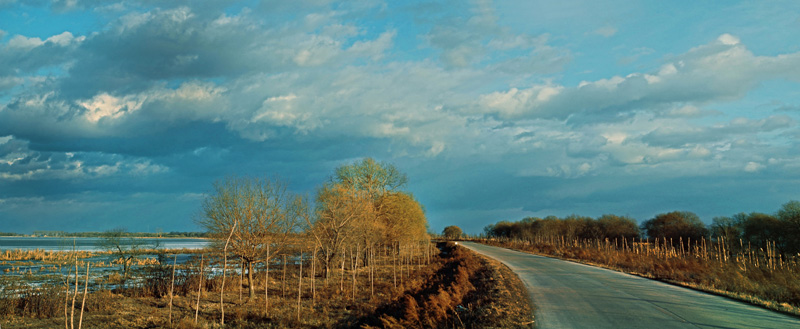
[(92, 244)]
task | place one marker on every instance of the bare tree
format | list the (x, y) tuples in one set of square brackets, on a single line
[(265, 211), (124, 247)]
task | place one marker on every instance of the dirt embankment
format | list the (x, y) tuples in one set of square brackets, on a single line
[(468, 291)]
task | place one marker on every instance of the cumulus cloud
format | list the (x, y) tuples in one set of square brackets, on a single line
[(721, 70), (24, 56)]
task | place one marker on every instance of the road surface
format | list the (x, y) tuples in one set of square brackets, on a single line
[(571, 295)]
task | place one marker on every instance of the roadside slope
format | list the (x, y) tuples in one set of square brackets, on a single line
[(571, 295)]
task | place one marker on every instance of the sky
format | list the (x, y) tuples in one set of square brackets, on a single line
[(124, 113)]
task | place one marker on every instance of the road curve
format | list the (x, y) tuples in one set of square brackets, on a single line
[(571, 295)]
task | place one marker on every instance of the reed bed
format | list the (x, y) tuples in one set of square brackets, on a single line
[(53, 256)]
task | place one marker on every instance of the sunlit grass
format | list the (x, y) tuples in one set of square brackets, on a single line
[(761, 276)]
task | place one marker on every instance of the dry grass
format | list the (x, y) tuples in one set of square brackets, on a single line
[(467, 291), (455, 289), (50, 256), (743, 275)]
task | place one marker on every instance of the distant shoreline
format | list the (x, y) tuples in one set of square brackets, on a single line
[(98, 237)]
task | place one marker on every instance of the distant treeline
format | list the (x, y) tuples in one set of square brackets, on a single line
[(9, 234), (124, 234), (781, 229)]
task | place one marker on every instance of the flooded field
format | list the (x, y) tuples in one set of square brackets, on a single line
[(35, 261), (91, 244)]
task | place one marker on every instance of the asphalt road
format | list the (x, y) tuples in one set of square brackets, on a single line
[(571, 295)]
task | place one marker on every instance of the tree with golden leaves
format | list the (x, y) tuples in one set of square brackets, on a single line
[(341, 212), (362, 205), (402, 218)]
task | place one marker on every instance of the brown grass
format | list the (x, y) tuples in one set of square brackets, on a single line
[(455, 289), (467, 291), (742, 275)]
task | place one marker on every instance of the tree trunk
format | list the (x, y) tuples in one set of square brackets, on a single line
[(266, 286), (250, 280)]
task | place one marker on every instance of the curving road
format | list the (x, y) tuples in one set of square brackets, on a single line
[(571, 295)]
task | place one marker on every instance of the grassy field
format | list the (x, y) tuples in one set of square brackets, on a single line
[(453, 288)]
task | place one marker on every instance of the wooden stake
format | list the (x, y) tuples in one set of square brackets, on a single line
[(299, 286), (66, 299), (72, 310), (199, 290), (283, 283), (172, 287), (313, 276), (85, 291), (266, 287), (241, 278), (224, 272)]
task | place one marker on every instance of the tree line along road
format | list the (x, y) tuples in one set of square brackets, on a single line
[(571, 295)]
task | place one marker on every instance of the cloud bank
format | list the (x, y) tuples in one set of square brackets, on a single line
[(487, 118)]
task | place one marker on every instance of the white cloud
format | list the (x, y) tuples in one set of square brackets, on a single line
[(727, 39), (719, 71), (10, 82), (106, 106), (374, 49), (436, 149), (23, 42), (145, 167), (65, 39), (606, 31), (753, 167)]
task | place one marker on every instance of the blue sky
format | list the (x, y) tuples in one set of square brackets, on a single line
[(123, 113)]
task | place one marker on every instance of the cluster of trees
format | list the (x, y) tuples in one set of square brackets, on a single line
[(781, 229), (361, 206), (572, 227), (675, 226)]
